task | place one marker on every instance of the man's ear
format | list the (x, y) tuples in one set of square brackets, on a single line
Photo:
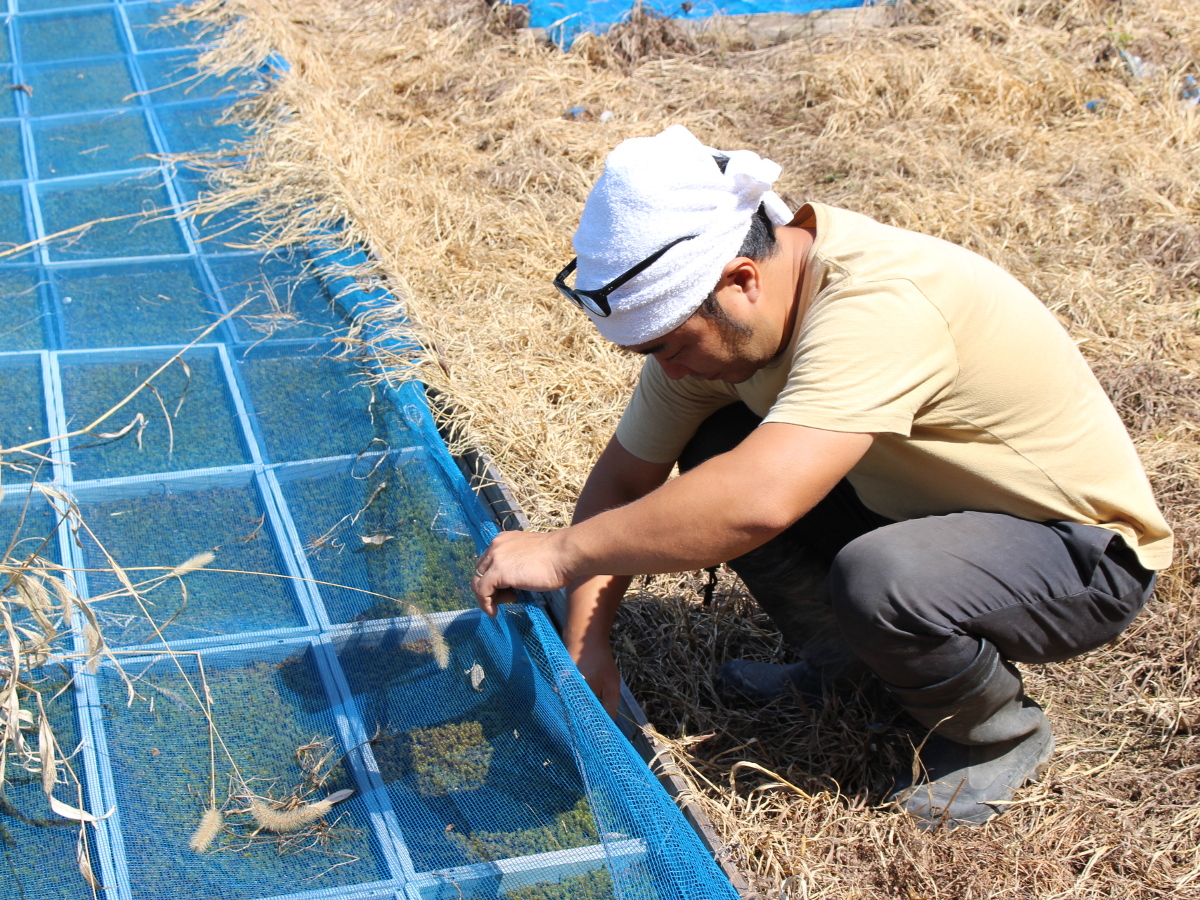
[(742, 274)]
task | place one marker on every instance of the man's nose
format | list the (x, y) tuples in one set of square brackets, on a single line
[(674, 370)]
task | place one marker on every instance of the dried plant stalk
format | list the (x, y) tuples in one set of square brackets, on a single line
[(194, 563), (437, 641)]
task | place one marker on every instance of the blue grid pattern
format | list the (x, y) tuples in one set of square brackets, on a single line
[(266, 445)]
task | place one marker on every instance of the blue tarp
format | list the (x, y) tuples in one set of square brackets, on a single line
[(591, 15)]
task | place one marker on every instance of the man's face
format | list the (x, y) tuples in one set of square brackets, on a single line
[(728, 348)]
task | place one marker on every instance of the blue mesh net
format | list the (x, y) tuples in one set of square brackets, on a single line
[(266, 703), (133, 216), (24, 419), (91, 144), (22, 312), (14, 229), (188, 420), (69, 36), (33, 529), (226, 231), (12, 156), (343, 414), (379, 534), (133, 304), (285, 302), (197, 127), (478, 769), (172, 77), (8, 102), (330, 649), (151, 32), (78, 87), (37, 849), (566, 19), (30, 525), (37, 5), (168, 523)]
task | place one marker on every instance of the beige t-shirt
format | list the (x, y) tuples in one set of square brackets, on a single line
[(978, 398)]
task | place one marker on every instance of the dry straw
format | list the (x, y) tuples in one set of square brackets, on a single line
[(437, 135)]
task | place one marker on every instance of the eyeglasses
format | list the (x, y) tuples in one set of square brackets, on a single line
[(596, 301)]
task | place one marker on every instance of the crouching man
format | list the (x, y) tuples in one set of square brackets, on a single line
[(838, 389)]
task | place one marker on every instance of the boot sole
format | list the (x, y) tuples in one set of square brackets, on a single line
[(934, 814)]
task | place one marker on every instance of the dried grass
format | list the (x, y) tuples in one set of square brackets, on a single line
[(438, 138)]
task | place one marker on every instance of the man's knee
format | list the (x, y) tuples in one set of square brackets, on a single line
[(921, 594), (877, 584)]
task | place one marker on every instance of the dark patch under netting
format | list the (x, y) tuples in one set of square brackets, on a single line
[(441, 741), (298, 542)]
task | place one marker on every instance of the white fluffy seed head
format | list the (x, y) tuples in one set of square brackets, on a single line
[(209, 828), (191, 564), (283, 821)]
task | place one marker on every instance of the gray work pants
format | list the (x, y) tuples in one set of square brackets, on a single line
[(914, 599)]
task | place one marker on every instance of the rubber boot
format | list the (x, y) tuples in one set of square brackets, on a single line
[(989, 739)]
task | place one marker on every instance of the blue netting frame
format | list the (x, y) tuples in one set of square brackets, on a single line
[(638, 854)]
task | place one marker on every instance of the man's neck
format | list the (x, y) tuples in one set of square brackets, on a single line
[(789, 266)]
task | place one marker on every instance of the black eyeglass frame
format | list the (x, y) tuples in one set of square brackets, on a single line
[(596, 301)]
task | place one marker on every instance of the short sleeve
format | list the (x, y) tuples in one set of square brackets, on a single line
[(663, 414), (868, 360)]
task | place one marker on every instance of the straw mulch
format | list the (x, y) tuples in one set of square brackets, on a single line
[(436, 132)]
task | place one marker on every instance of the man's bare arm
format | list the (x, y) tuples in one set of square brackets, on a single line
[(721, 509), (730, 504)]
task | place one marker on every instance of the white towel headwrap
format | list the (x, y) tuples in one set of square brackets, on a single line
[(653, 191)]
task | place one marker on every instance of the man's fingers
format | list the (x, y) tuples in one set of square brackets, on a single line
[(516, 560), (483, 596), (489, 593)]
